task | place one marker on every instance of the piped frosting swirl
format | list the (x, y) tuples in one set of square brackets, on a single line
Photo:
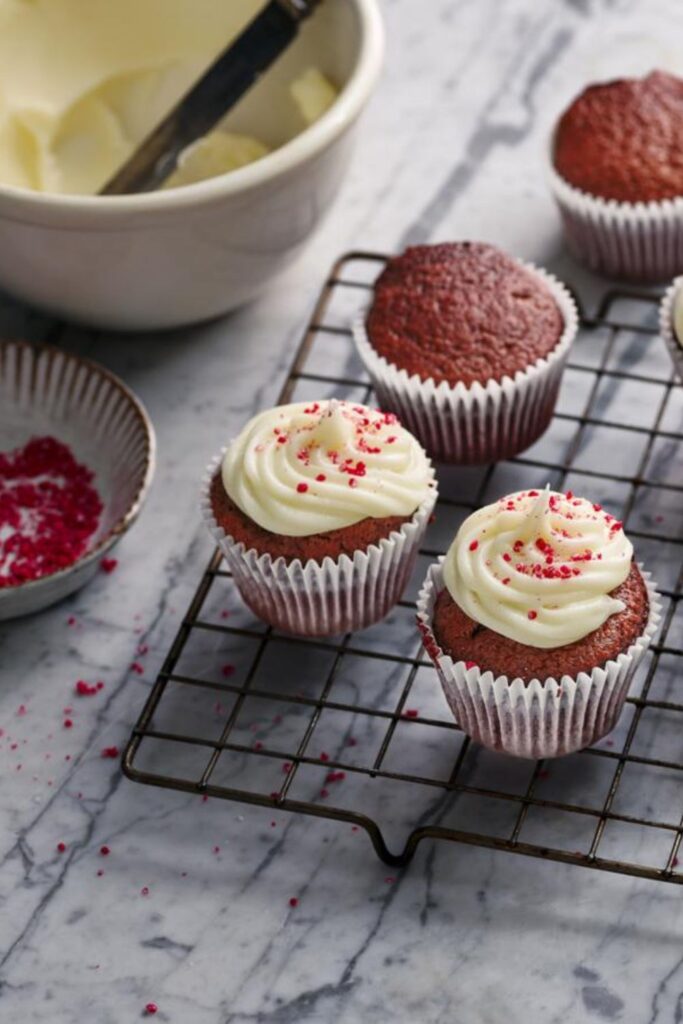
[(312, 467), (539, 567)]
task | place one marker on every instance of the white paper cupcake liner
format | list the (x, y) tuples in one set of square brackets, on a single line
[(666, 325), (321, 599), (483, 422), (631, 241), (541, 718)]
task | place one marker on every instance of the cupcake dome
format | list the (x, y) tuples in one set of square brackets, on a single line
[(623, 140), (536, 620)]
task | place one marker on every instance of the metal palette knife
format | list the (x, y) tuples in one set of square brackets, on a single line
[(238, 67)]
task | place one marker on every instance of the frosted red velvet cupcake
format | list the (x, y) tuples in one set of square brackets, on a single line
[(467, 345), (319, 509), (536, 620), (617, 175)]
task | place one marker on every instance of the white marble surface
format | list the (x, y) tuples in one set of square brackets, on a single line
[(452, 146)]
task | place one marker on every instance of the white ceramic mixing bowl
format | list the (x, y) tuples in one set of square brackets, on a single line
[(174, 257)]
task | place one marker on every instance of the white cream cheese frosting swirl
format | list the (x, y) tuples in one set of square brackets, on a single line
[(538, 567), (312, 467)]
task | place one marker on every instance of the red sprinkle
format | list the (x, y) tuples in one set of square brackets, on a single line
[(110, 752), (144, 892), (68, 724), (301, 488), (324, 756), (532, 614), (411, 713), (151, 1008), (84, 689), (227, 670), (48, 510), (474, 545), (324, 793), (108, 565), (104, 851), (293, 901), (321, 478), (61, 847), (137, 668)]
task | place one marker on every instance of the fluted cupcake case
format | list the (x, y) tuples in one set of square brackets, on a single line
[(336, 596), (666, 325), (631, 241), (483, 422), (541, 718)]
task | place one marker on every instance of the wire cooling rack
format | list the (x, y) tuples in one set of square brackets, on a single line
[(355, 728)]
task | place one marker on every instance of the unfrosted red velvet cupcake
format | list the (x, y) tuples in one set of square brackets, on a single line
[(536, 620), (319, 509), (617, 156), (467, 345)]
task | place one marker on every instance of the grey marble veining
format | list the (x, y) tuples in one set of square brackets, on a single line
[(453, 146)]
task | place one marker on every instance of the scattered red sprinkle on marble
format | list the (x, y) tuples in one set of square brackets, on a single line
[(84, 689), (144, 891), (324, 756), (13, 746), (287, 767), (99, 685), (21, 710), (470, 664), (225, 614), (293, 901), (108, 565), (411, 713), (151, 1008), (143, 649), (110, 752), (67, 757), (352, 741), (335, 776), (258, 745), (68, 724), (354, 828), (100, 872), (532, 614), (205, 797), (273, 824), (324, 793), (675, 862), (71, 621), (301, 488), (137, 668), (61, 847), (216, 849), (227, 670), (104, 851)]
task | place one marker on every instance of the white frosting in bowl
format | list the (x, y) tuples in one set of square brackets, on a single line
[(312, 467), (538, 567)]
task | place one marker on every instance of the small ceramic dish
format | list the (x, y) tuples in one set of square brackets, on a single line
[(47, 392)]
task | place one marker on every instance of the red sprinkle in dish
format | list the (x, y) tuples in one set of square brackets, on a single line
[(49, 510), (301, 488)]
